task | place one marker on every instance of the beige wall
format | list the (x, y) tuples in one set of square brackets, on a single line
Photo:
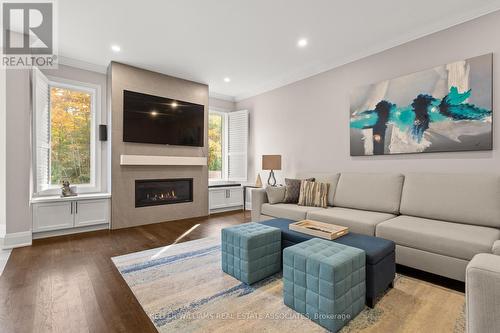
[(308, 121), (124, 213)]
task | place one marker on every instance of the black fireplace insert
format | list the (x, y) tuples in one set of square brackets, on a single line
[(154, 192)]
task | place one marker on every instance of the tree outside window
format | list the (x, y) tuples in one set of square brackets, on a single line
[(215, 141), (70, 130)]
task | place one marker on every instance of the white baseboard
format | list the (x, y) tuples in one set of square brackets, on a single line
[(17, 239), (70, 231), (227, 209)]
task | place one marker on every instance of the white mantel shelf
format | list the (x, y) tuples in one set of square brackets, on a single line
[(162, 160)]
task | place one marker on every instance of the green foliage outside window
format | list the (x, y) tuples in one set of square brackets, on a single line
[(215, 124), (70, 113)]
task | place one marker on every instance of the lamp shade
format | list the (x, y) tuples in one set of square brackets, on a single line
[(271, 162)]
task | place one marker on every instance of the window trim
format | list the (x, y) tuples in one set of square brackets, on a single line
[(225, 148), (223, 114), (94, 90)]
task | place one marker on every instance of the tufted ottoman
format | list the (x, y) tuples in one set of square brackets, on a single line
[(251, 251), (324, 281)]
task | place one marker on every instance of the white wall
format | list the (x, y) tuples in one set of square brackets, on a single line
[(18, 156), (18, 148), (307, 122), (3, 139), (221, 104)]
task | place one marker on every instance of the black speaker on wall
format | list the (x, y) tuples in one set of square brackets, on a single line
[(103, 132)]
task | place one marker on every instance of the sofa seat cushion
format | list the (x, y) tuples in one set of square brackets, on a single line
[(287, 211), (461, 241), (358, 221)]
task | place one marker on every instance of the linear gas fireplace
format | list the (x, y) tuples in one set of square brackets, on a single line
[(154, 192)]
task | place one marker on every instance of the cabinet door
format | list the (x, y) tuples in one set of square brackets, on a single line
[(90, 212), (217, 199), (235, 197), (52, 216)]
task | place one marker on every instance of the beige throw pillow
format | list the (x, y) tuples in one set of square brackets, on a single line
[(275, 194), (313, 194)]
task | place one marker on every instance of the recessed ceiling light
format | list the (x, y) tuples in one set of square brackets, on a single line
[(174, 104), (154, 113), (116, 48), (227, 80), (302, 42)]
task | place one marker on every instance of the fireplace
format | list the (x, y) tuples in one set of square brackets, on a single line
[(154, 192)]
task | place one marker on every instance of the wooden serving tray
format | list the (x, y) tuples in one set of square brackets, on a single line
[(319, 229)]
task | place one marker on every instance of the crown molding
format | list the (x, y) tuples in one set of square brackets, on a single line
[(62, 60), (309, 71), (224, 97)]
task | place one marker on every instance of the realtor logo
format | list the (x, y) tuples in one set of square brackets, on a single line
[(28, 34)]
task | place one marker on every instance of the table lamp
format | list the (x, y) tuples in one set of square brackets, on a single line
[(271, 162)]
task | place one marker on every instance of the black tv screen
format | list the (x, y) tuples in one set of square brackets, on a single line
[(160, 120)]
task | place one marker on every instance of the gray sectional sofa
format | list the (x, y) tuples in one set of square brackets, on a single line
[(438, 221)]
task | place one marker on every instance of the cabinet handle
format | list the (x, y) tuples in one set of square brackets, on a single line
[(76, 207), (71, 207), (228, 194)]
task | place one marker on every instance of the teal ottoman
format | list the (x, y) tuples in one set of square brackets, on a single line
[(325, 281), (251, 251)]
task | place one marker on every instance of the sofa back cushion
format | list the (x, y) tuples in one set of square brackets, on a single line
[(330, 178), (462, 198), (379, 192), (275, 194)]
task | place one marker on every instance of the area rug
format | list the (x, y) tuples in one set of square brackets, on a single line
[(183, 289)]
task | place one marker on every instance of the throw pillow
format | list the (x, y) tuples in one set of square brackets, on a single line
[(313, 194), (275, 194), (292, 192)]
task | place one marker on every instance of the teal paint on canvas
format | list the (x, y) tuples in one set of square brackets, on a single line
[(447, 108)]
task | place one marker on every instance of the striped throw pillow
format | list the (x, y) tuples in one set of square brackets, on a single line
[(313, 194)]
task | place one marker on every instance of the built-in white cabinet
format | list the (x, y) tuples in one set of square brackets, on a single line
[(52, 216), (225, 198), (91, 212), (63, 214)]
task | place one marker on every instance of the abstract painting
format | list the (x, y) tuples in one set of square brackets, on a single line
[(447, 108)]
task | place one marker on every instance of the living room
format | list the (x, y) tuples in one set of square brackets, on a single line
[(249, 165)]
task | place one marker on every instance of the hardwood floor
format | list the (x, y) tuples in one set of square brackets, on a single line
[(69, 284)]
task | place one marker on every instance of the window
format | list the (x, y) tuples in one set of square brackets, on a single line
[(215, 144), (65, 118), (228, 141), (70, 130)]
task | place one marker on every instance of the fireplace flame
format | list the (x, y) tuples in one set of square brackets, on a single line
[(170, 195)]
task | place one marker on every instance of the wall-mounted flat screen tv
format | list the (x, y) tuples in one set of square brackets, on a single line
[(160, 120)]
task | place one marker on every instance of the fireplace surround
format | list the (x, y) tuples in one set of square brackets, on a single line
[(154, 192)]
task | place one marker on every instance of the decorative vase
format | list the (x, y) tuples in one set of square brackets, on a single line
[(258, 181)]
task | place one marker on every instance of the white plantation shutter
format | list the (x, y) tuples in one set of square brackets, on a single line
[(41, 114), (237, 145)]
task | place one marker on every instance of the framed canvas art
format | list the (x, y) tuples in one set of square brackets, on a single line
[(444, 109)]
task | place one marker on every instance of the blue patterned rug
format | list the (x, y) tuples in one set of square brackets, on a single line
[(183, 289)]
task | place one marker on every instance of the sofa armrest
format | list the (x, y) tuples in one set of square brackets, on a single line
[(259, 197), (482, 292), (495, 249)]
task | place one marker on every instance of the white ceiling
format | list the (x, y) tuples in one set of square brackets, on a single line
[(251, 41)]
